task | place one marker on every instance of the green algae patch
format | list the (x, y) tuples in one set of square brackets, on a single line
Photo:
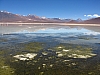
[(73, 51), (4, 68), (34, 46)]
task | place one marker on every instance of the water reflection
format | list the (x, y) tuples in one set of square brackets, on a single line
[(49, 50), (39, 29)]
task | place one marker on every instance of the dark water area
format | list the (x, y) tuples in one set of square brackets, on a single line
[(49, 50)]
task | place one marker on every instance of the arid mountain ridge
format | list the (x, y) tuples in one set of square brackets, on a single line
[(10, 17)]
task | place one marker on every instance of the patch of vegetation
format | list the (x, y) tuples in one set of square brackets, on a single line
[(4, 68), (45, 63), (34, 46)]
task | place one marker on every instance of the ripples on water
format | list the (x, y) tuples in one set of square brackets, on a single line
[(49, 50)]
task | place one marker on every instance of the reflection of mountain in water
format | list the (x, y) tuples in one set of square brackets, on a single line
[(39, 29)]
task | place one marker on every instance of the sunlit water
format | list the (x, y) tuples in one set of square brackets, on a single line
[(49, 50)]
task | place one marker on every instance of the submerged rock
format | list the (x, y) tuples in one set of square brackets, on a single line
[(60, 55), (4, 67), (65, 50), (60, 47), (74, 51), (24, 57), (44, 53)]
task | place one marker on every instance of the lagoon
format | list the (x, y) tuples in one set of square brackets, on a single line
[(49, 50)]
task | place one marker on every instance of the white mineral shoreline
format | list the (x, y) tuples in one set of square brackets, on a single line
[(51, 24)]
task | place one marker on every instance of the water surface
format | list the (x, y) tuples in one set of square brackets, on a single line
[(49, 50)]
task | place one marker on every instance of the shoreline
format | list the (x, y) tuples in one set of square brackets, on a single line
[(72, 24)]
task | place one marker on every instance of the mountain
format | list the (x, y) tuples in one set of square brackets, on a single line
[(67, 20), (10, 17), (75, 21), (79, 20), (93, 21)]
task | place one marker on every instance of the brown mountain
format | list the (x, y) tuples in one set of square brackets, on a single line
[(10, 17), (92, 21)]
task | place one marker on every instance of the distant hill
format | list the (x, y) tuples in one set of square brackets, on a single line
[(10, 17), (93, 21)]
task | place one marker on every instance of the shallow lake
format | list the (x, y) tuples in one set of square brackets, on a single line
[(49, 50)]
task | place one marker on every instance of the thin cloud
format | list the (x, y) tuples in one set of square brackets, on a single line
[(85, 15), (89, 16), (92, 16)]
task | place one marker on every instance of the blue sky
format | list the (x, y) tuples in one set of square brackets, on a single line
[(72, 9)]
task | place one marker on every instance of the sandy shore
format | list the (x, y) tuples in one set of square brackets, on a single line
[(51, 24)]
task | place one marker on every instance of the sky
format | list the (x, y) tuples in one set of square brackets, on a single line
[(72, 9)]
